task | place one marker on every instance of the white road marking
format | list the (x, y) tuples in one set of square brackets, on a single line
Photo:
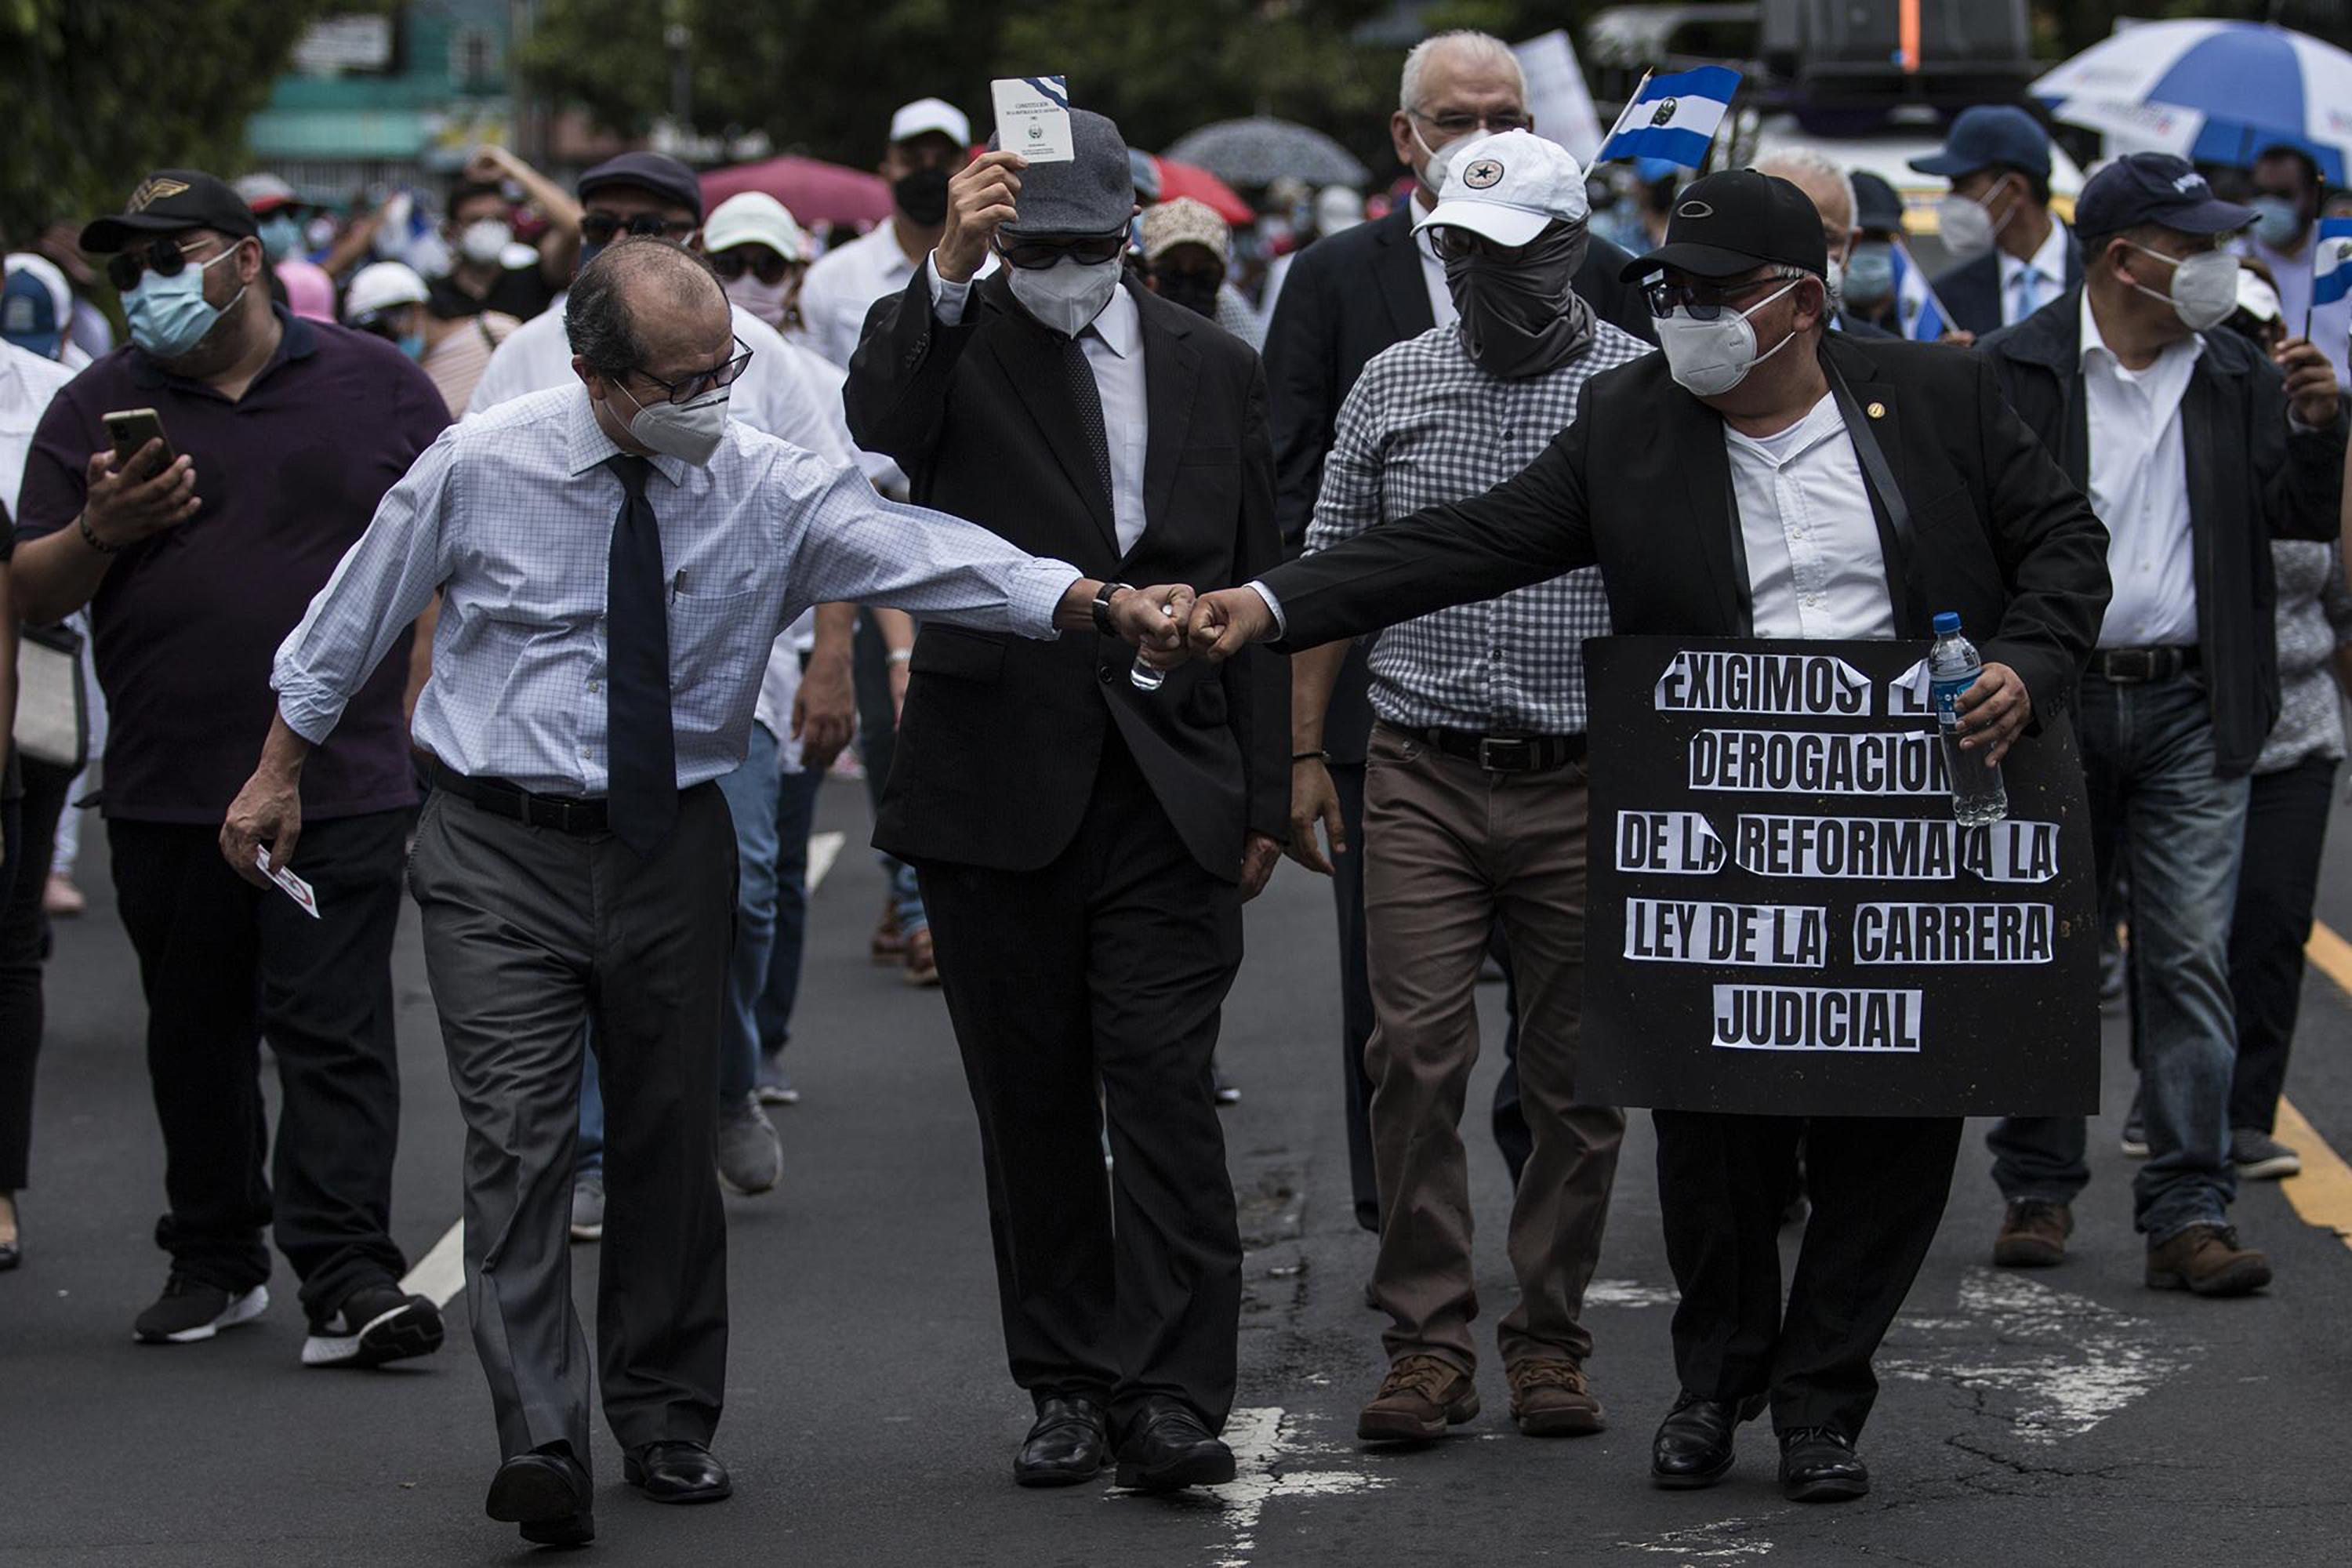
[(825, 848), (1268, 1444), (1724, 1541), (1629, 1293), (2069, 1362), (440, 1273)]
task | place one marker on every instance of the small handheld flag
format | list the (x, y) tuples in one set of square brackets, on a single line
[(2331, 262), (1673, 117), (1917, 311)]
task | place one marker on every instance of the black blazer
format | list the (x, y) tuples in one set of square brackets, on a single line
[(1349, 296), (1640, 486), (1971, 291), (2251, 479), (1002, 737)]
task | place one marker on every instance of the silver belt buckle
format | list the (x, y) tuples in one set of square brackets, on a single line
[(1487, 752)]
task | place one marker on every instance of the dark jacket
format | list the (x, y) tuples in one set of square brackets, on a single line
[(2251, 479), (1002, 737), (1971, 291), (1349, 296), (1640, 486)]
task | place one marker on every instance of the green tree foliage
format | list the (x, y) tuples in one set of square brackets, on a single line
[(823, 79), (98, 91)]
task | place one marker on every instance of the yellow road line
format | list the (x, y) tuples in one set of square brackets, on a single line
[(2321, 1195)]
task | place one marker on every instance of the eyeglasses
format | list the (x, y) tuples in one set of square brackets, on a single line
[(757, 259), (1455, 126), (164, 258), (1706, 302), (686, 388), (1031, 255), (599, 228)]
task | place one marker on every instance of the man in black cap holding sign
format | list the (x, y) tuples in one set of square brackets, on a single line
[(1763, 478), (193, 566)]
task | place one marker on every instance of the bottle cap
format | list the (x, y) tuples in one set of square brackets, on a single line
[(1947, 622)]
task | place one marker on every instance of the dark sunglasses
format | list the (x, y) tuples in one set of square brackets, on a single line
[(759, 260), (1706, 302), (1453, 244), (1455, 126), (162, 256), (687, 388), (1033, 255), (599, 228)]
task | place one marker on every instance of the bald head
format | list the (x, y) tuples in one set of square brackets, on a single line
[(644, 303), (1825, 185)]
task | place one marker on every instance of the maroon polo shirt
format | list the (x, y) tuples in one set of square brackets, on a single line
[(186, 624)]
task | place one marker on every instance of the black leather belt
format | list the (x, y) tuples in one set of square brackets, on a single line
[(1502, 753), (565, 814), (2140, 666)]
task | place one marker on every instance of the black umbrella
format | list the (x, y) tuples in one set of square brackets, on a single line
[(1260, 150)]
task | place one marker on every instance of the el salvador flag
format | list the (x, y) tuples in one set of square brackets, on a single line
[(1916, 309), (1673, 117), (2331, 262)]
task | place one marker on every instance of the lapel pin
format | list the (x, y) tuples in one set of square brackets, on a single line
[(1876, 411)]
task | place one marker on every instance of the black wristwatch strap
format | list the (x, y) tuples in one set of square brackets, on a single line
[(1102, 605)]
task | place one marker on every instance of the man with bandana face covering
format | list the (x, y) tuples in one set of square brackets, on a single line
[(1474, 810), (1085, 846)]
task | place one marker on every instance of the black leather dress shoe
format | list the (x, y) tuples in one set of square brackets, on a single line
[(1069, 1444), (1818, 1463), (547, 1493), (676, 1471), (1692, 1448), (1168, 1447)]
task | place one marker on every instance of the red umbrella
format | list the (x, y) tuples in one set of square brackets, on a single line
[(1192, 180), (817, 192)]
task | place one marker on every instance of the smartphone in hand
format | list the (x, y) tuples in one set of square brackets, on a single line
[(131, 429)]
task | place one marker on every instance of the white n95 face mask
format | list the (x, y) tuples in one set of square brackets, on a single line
[(1066, 297), (690, 432), (1708, 359), (1967, 227), (2204, 286), (485, 240)]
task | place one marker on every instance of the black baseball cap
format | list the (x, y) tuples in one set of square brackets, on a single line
[(1877, 205), (655, 172), (167, 200), (2158, 188), (1733, 222)]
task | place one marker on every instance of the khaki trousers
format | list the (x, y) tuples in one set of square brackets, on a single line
[(1450, 850)]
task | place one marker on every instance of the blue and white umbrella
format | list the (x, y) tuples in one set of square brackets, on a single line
[(2215, 92)]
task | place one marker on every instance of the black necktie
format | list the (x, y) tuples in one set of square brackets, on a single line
[(642, 797), (1088, 397)]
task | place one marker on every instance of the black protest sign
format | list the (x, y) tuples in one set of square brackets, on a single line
[(1783, 917)]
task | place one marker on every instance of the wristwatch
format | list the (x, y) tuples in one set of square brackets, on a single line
[(1102, 605)]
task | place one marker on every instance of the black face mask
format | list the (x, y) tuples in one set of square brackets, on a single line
[(922, 195), (1196, 292), (1523, 317)]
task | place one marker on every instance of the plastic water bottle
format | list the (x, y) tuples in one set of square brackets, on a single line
[(1953, 666), (1142, 675)]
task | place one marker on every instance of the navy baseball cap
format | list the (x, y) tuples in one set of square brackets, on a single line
[(2158, 188), (1987, 134), (28, 314), (658, 173), (1878, 207)]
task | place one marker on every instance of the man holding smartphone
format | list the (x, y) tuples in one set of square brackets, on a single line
[(194, 567)]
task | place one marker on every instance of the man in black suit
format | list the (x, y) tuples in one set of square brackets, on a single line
[(1085, 846), (1963, 510), (1347, 298), (2012, 255)]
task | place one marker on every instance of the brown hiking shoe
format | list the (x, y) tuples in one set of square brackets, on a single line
[(1549, 1399), (2033, 1233), (2208, 1260), (1419, 1399)]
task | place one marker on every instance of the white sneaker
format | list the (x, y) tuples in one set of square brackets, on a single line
[(588, 1207), (190, 1311)]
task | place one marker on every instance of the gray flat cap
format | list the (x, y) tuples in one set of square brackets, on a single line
[(1092, 194)]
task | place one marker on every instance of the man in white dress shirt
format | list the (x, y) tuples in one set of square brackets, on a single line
[(591, 681)]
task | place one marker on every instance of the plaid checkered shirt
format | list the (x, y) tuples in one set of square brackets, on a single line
[(1424, 426)]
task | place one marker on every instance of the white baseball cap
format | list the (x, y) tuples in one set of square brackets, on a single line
[(2256, 298), (381, 286), (928, 114), (754, 217), (1509, 187)]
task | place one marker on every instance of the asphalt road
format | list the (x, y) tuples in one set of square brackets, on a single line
[(2066, 1417)]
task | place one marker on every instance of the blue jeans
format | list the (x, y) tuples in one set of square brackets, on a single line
[(2148, 758), (795, 815), (750, 795), (751, 792)]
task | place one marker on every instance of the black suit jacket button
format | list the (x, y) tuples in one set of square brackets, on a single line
[(1103, 673)]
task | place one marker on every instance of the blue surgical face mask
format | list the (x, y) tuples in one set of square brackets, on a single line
[(170, 316), (1870, 273), (2277, 221), (281, 234), (412, 343)]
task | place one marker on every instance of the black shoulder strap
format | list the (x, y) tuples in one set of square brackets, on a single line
[(1875, 471)]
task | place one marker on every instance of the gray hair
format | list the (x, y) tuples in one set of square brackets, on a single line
[(1481, 48), (596, 316), (1798, 164)]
